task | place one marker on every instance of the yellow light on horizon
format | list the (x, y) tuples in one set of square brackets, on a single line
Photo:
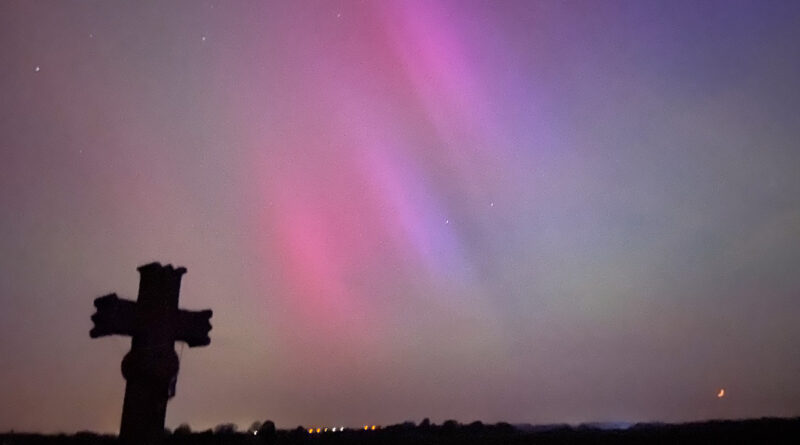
[(311, 431), (721, 393), (318, 430), (373, 427), (366, 427)]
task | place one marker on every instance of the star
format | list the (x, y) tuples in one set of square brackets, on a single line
[(36, 70), (203, 38), (338, 15)]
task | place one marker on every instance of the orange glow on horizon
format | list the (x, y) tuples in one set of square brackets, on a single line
[(721, 393)]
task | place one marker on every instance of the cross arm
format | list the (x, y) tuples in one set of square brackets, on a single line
[(114, 316), (192, 327)]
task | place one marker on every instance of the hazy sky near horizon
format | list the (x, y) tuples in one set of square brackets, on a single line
[(528, 211)]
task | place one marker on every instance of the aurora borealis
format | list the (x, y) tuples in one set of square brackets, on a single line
[(527, 211)]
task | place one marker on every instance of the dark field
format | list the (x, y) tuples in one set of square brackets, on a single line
[(757, 431)]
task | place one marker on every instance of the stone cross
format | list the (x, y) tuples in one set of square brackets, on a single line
[(151, 367)]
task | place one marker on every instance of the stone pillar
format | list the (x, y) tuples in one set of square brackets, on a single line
[(151, 366)]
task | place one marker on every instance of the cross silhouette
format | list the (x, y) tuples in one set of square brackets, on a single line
[(154, 323)]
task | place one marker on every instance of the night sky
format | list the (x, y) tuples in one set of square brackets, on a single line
[(528, 211)]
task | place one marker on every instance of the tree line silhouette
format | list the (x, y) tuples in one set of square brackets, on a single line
[(764, 430)]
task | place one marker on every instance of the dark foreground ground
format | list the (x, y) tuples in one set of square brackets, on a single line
[(757, 431)]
